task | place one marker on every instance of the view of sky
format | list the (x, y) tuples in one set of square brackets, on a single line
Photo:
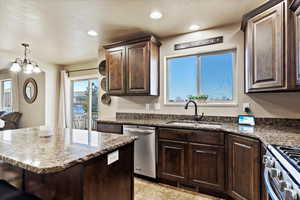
[(215, 76), (80, 86)]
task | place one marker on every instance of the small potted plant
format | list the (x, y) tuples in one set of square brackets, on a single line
[(199, 98)]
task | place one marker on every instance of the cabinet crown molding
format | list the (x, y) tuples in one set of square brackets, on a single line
[(258, 10), (151, 38)]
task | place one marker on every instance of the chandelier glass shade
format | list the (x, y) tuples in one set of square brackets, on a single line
[(28, 66)]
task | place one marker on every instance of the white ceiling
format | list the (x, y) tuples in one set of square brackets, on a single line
[(57, 29)]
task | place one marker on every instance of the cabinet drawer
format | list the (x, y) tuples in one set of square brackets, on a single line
[(173, 134), (109, 128), (206, 137)]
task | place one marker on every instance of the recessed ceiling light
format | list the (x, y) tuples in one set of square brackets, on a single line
[(194, 27), (155, 15), (92, 33)]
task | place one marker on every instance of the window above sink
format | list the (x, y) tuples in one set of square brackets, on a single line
[(212, 74)]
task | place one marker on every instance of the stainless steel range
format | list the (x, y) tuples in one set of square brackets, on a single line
[(282, 172)]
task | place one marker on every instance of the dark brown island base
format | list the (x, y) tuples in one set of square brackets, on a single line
[(68, 164)]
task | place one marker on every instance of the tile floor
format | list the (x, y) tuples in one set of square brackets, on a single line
[(145, 190)]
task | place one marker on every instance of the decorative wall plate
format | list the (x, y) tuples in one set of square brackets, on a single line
[(103, 84), (102, 67), (105, 99)]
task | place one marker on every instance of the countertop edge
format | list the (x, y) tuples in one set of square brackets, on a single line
[(61, 168), (222, 129)]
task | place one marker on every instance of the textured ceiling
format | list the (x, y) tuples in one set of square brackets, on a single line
[(57, 29)]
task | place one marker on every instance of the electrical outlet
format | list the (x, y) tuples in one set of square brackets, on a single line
[(147, 107), (246, 107), (157, 106)]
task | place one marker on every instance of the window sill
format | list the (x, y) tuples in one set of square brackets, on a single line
[(212, 104)]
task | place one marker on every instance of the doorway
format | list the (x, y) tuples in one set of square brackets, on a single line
[(85, 107)]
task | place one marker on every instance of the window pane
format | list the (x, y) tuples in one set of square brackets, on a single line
[(216, 76), (95, 106), (181, 78), (80, 104), (7, 93)]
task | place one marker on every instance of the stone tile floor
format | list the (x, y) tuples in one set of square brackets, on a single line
[(146, 190)]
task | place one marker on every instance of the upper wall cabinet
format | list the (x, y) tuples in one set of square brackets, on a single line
[(295, 7), (270, 48), (133, 67)]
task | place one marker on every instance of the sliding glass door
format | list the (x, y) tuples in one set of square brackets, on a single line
[(85, 103)]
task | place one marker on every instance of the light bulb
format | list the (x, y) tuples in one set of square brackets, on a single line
[(36, 69), (26, 71), (15, 67), (29, 67)]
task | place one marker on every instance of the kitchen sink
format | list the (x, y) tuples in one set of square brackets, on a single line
[(195, 124)]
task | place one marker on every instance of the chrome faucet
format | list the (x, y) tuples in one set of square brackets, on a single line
[(196, 116)]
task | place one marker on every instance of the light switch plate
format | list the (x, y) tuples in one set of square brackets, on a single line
[(112, 157)]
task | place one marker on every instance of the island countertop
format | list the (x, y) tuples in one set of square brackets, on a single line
[(43, 150)]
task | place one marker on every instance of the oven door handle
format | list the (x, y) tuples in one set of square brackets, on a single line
[(269, 188)]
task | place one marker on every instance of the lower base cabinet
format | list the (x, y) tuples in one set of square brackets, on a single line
[(206, 166), (230, 169), (173, 160), (243, 168), (192, 164)]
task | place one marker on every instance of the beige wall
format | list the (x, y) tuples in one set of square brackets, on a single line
[(83, 65), (33, 114), (263, 105), (44, 111)]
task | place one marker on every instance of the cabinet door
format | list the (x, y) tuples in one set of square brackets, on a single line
[(297, 32), (243, 168), (116, 70), (206, 166), (172, 160), (264, 51), (138, 68)]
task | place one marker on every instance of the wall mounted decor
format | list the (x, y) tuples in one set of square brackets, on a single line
[(199, 43), (105, 99), (103, 84), (30, 90), (102, 68)]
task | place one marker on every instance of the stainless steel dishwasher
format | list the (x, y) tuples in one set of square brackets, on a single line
[(144, 149)]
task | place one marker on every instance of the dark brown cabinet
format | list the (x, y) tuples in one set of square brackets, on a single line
[(269, 48), (188, 162), (206, 166), (133, 67), (138, 68), (173, 160), (116, 70), (109, 128), (296, 8), (243, 168)]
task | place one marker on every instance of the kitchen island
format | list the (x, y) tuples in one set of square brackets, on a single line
[(68, 163)]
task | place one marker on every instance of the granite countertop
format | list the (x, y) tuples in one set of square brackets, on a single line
[(43, 150), (266, 134)]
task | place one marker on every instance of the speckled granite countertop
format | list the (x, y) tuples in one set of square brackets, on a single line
[(42, 150), (266, 134)]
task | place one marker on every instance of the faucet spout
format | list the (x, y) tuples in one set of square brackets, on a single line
[(196, 116)]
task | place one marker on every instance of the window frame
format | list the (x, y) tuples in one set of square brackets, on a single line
[(2, 93), (231, 103)]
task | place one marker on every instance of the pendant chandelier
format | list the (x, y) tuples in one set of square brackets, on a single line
[(27, 65)]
